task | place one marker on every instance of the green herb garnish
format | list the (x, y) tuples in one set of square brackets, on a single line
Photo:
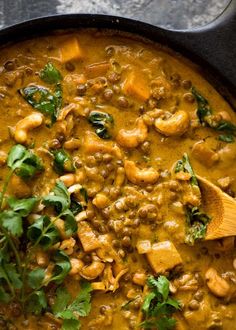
[(62, 161), (197, 224), (158, 306), (70, 311), (50, 74), (205, 115), (41, 99), (102, 122), (183, 165)]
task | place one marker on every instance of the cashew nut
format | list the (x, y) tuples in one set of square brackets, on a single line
[(216, 284), (93, 270), (139, 176), (76, 266), (176, 125), (132, 138), (28, 123)]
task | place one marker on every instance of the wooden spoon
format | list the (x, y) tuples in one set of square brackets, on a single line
[(222, 209)]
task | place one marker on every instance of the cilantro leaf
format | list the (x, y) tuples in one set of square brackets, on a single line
[(24, 162), (81, 304), (185, 166), (60, 200), (12, 222), (22, 206), (61, 203), (37, 302), (44, 231), (62, 161), (4, 296), (13, 275), (50, 74), (158, 306), (62, 266), (36, 277), (70, 324), (61, 301)]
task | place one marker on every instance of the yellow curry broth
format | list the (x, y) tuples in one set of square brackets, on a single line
[(131, 80)]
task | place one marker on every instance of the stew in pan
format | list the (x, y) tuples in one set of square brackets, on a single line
[(101, 220)]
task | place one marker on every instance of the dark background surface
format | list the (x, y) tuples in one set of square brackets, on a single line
[(177, 14)]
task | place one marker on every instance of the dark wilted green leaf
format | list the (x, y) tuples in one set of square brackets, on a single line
[(62, 161), (36, 277), (102, 122)]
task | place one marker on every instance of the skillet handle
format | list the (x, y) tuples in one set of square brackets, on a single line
[(215, 43)]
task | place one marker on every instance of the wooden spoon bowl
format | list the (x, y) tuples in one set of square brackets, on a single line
[(220, 207)]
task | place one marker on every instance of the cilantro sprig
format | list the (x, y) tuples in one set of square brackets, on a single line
[(158, 306), (69, 310)]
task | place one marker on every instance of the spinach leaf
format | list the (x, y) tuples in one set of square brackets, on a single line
[(196, 224), (41, 99), (185, 166), (43, 232), (50, 74), (102, 122), (203, 109), (158, 306), (62, 161), (205, 115), (226, 126), (229, 138), (24, 162)]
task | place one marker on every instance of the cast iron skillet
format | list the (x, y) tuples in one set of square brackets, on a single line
[(213, 46)]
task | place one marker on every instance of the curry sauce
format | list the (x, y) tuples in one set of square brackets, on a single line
[(101, 223)]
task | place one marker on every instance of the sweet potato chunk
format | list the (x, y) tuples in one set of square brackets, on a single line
[(87, 237), (97, 69), (163, 257), (70, 50), (136, 86)]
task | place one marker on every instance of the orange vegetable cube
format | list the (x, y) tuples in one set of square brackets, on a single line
[(136, 86), (163, 257), (70, 50)]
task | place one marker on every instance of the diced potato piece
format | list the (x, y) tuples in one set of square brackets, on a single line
[(204, 154), (97, 69), (139, 278), (136, 86), (87, 237), (163, 256), (70, 50), (144, 246)]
